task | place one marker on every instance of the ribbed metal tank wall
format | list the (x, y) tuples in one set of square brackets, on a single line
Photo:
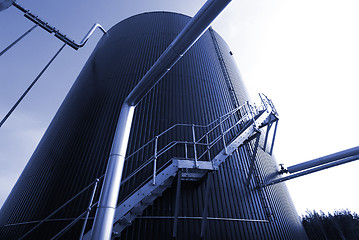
[(74, 149)]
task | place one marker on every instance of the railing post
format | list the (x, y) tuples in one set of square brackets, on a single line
[(222, 133), (252, 114), (208, 148), (89, 209), (155, 161), (185, 150), (194, 146)]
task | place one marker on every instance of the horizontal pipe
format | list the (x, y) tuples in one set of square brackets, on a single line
[(312, 170), (323, 160), (208, 218), (43, 24)]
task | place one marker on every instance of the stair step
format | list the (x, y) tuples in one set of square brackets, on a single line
[(139, 208), (193, 176), (125, 221), (191, 164), (148, 200), (158, 192)]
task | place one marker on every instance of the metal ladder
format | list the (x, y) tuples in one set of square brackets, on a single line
[(227, 78), (228, 133)]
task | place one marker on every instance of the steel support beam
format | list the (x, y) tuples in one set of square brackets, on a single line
[(253, 157), (273, 140), (205, 207), (178, 199), (266, 137)]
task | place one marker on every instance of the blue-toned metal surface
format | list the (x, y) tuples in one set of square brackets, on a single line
[(74, 149), (4, 4)]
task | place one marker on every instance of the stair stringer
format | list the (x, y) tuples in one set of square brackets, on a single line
[(241, 138), (134, 205)]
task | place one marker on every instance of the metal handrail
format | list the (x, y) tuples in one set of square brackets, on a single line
[(266, 105), (209, 145), (74, 221), (58, 209), (190, 125), (170, 145)]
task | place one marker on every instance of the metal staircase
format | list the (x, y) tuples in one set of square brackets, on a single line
[(219, 138)]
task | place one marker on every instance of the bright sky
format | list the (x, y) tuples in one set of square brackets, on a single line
[(303, 54)]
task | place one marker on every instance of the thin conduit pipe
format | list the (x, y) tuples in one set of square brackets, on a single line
[(17, 40), (31, 85)]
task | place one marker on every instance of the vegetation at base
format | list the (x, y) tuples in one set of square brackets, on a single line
[(342, 225)]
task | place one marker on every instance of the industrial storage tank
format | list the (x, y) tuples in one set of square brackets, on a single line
[(204, 85)]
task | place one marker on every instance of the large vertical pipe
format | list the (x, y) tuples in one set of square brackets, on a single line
[(108, 199), (186, 38)]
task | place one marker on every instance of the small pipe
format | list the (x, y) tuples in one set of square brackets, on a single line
[(90, 32), (155, 162), (312, 170), (89, 208), (17, 40), (323, 160), (31, 85)]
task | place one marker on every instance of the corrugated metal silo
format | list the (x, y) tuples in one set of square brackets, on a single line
[(204, 85)]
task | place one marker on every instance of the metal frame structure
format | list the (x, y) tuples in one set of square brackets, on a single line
[(45, 25), (192, 167)]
